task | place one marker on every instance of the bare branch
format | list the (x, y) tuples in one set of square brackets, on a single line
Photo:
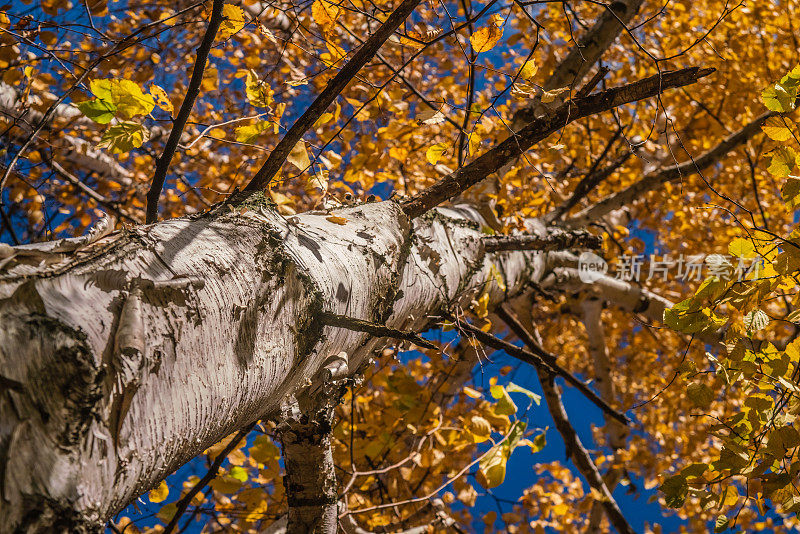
[(556, 239), (538, 357), (163, 162), (540, 128), (370, 47), (575, 449), (183, 503), (675, 172), (377, 330)]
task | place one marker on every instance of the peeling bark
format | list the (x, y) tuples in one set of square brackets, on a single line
[(205, 358)]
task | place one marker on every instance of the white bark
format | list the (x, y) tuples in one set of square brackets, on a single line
[(126, 358)]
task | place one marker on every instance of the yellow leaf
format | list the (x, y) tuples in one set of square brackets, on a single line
[(233, 21), (248, 134), (167, 512), (259, 93), (399, 153), (162, 100), (160, 493), (777, 131), (730, 495), (783, 161), (124, 137), (129, 99), (435, 152), (334, 55), (336, 219), (550, 96), (469, 392), (480, 307), (263, 30), (279, 109), (480, 429), (492, 467), (325, 14), (484, 39), (299, 156), (317, 184), (225, 484), (431, 116), (742, 248), (528, 70), (473, 142)]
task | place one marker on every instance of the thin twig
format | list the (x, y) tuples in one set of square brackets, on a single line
[(359, 325)]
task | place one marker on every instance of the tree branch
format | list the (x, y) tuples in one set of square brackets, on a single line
[(373, 329), (370, 47), (163, 162), (556, 239), (585, 53), (183, 503), (538, 357), (538, 129), (675, 172), (575, 449)]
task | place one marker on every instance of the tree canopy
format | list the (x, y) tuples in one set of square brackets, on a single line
[(657, 136)]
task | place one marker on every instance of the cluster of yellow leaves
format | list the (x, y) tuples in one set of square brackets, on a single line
[(759, 442)]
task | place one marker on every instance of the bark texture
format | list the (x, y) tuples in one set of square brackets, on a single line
[(125, 357)]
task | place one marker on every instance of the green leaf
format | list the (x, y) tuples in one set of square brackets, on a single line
[(539, 442), (505, 406), (513, 388), (777, 98), (100, 111), (123, 137), (239, 473)]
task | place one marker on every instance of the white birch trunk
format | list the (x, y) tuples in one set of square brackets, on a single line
[(117, 365)]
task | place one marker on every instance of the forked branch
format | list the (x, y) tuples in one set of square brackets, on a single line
[(540, 128)]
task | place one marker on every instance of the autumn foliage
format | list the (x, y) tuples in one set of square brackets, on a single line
[(88, 96)]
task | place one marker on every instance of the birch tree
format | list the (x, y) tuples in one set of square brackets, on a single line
[(228, 227)]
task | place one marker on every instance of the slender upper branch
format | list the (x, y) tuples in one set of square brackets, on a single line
[(668, 174), (162, 163), (538, 129), (370, 47)]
